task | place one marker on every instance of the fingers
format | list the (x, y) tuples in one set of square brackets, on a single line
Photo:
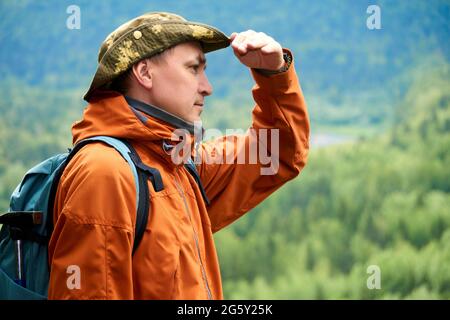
[(258, 42), (233, 35), (250, 40), (257, 50), (271, 47), (239, 45)]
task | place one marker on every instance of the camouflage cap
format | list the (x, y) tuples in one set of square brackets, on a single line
[(145, 36)]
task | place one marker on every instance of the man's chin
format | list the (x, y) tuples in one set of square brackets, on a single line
[(192, 119), (197, 120), (197, 117)]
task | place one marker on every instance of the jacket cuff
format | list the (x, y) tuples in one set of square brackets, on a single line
[(277, 80), (287, 56)]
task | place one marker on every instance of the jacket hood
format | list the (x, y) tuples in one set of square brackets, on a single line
[(112, 114)]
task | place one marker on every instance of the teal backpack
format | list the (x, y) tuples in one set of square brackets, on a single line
[(27, 226)]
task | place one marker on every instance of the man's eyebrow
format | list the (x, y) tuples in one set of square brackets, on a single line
[(201, 59)]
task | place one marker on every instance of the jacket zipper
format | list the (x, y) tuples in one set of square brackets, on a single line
[(205, 280)]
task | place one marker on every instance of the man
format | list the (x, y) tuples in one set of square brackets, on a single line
[(151, 81)]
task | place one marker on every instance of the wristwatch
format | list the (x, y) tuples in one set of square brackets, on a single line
[(287, 59)]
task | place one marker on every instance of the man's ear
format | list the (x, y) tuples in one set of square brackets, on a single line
[(143, 73)]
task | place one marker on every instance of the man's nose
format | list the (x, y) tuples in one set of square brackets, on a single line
[(205, 87)]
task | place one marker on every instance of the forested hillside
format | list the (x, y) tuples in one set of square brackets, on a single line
[(381, 200)]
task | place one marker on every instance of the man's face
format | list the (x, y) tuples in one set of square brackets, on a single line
[(179, 82)]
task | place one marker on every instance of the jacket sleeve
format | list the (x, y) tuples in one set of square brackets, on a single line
[(279, 131), (90, 250)]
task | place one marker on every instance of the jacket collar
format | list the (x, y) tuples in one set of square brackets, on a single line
[(160, 114), (111, 114)]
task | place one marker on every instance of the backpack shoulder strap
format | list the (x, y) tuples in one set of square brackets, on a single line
[(143, 203), (190, 167), (140, 179)]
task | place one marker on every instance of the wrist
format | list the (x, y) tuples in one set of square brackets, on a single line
[(287, 62)]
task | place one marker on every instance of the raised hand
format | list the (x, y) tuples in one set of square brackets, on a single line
[(257, 50)]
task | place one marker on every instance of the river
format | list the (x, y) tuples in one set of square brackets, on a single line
[(320, 140)]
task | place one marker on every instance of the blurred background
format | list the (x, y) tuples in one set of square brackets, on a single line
[(376, 188)]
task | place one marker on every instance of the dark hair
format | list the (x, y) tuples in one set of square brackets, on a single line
[(120, 84)]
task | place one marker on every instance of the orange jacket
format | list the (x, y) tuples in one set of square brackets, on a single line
[(95, 205)]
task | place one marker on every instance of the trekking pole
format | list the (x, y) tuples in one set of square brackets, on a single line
[(20, 279), (20, 224)]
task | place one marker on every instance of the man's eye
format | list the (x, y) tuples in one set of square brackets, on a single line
[(195, 67)]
